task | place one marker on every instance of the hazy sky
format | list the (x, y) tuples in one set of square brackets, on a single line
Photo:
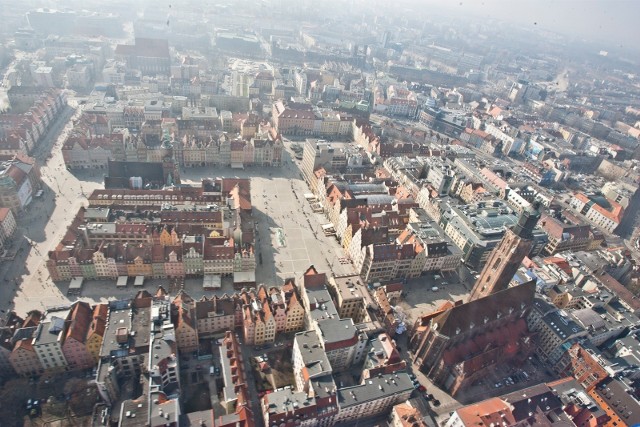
[(613, 21)]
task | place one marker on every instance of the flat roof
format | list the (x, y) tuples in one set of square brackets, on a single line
[(76, 283), (244, 277), (313, 354), (288, 400), (375, 388), (211, 281), (337, 330), (92, 213), (325, 309)]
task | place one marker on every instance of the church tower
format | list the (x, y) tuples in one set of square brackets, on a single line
[(506, 258)]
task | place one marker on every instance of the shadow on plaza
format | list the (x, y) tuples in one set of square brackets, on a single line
[(89, 175), (266, 251), (38, 215)]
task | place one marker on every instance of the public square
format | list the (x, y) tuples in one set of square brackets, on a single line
[(278, 204)]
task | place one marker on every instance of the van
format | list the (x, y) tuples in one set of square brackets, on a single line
[(212, 371)]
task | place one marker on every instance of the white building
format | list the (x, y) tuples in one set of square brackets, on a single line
[(47, 343)]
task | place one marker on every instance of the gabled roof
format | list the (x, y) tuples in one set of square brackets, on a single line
[(99, 321), (78, 322), (313, 279)]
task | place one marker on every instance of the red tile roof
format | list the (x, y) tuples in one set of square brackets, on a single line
[(494, 411)]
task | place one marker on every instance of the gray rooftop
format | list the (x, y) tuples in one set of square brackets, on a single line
[(313, 355), (337, 330), (324, 386), (376, 199), (325, 309), (48, 332), (374, 389), (96, 213), (288, 401), (134, 412), (163, 413), (136, 320), (563, 324)]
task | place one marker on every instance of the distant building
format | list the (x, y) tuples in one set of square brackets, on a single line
[(149, 56), (600, 211)]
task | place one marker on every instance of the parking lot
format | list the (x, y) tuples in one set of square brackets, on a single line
[(507, 379)]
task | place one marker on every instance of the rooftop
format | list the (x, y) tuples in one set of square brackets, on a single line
[(335, 331), (374, 389), (313, 355)]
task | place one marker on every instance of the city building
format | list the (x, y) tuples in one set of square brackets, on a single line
[(23, 357), (317, 154), (75, 334), (598, 210), (149, 56), (184, 321), (211, 234), (47, 343), (351, 296), (95, 332), (19, 182), (565, 236), (476, 229), (620, 407), (406, 415), (8, 226), (235, 393), (125, 345), (554, 329), (583, 365), (562, 402)]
